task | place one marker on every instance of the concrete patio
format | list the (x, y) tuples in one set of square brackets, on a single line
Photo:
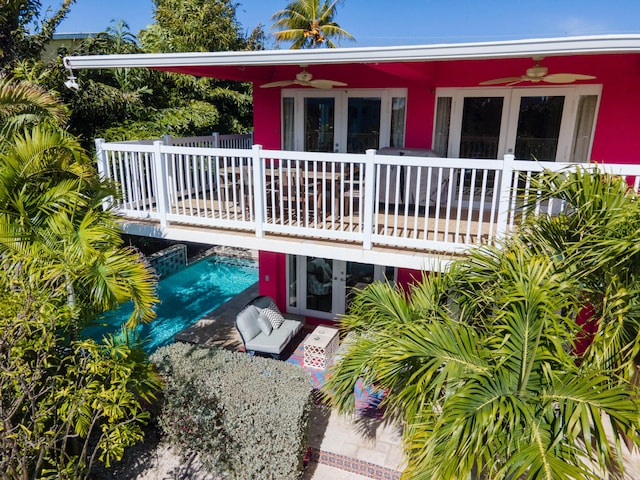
[(342, 448)]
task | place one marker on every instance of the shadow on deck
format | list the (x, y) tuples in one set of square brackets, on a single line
[(217, 328)]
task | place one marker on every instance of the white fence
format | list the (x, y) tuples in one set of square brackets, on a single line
[(215, 140), (439, 204)]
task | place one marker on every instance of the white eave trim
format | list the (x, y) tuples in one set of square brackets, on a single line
[(455, 51)]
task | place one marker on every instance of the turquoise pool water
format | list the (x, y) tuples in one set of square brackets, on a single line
[(185, 297)]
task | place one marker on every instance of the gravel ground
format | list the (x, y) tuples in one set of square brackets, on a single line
[(153, 459)]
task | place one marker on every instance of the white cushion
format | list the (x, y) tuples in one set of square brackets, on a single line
[(247, 322), (264, 324), (274, 343)]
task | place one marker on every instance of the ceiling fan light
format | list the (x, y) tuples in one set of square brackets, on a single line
[(304, 76), (537, 71), (305, 79)]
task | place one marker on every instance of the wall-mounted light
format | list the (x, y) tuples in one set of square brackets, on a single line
[(71, 82)]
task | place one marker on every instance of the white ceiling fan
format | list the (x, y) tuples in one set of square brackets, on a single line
[(538, 73), (305, 79)]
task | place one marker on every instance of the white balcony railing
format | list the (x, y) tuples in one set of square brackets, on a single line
[(215, 140), (421, 203)]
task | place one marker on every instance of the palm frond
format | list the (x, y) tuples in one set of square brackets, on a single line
[(23, 104)]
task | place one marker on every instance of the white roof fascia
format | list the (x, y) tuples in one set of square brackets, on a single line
[(455, 51)]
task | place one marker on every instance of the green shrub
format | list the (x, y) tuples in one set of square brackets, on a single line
[(245, 416)]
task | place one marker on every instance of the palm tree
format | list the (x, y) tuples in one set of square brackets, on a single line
[(309, 24), (478, 361), (52, 221), (600, 242)]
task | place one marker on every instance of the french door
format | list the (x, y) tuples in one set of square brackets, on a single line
[(322, 287), (350, 121), (544, 123)]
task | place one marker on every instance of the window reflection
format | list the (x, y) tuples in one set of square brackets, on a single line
[(319, 284)]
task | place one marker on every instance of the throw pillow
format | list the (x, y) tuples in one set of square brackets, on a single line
[(265, 324), (274, 316)]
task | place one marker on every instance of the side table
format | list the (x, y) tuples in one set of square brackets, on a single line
[(320, 346)]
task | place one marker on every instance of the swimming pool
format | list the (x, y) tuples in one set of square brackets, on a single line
[(185, 297)]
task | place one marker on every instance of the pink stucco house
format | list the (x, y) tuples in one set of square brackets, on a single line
[(372, 163)]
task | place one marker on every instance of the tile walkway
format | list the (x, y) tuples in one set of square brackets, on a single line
[(341, 448)]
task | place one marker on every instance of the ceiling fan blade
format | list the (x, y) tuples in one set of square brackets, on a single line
[(279, 83), (566, 77), (326, 83), (498, 81)]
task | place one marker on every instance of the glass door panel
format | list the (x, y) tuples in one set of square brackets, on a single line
[(545, 123), (363, 124), (538, 130), (359, 275), (481, 127), (292, 266), (480, 137), (319, 275), (319, 124)]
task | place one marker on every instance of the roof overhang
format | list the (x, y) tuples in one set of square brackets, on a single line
[(588, 45)]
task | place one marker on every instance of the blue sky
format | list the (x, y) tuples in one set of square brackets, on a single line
[(406, 22)]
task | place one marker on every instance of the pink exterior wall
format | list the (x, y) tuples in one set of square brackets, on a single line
[(266, 117), (408, 276), (272, 277), (616, 139)]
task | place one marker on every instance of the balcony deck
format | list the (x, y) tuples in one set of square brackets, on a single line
[(405, 211), (476, 227)]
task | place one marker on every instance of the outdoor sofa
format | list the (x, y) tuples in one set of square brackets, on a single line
[(263, 329)]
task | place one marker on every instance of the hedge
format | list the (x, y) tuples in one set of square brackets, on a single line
[(246, 417)]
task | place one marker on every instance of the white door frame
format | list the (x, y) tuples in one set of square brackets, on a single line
[(511, 107)]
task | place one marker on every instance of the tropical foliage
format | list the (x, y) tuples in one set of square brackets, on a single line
[(119, 104), (480, 362), (24, 104), (64, 402), (64, 405), (309, 24), (197, 26), (51, 210), (24, 31)]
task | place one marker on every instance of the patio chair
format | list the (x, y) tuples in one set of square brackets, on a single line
[(264, 330)]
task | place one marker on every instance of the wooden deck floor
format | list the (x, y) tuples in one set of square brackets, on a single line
[(453, 226)]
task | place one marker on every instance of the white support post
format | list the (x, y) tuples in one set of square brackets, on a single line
[(102, 160), (504, 199), (369, 200), (103, 169), (258, 190), (216, 139), (160, 170), (167, 139)]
